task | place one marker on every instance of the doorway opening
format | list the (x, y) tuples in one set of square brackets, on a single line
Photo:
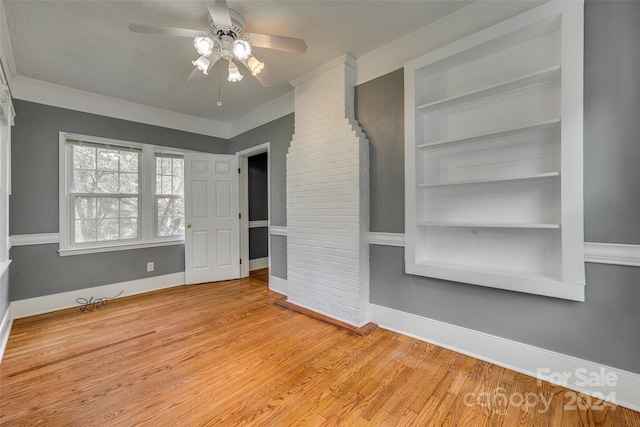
[(255, 207)]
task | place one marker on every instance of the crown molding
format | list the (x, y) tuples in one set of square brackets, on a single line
[(73, 99), (262, 115), (459, 23), (342, 59)]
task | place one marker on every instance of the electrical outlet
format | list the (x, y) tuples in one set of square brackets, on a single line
[(150, 266)]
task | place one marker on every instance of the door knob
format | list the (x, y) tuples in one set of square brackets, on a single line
[(188, 225)]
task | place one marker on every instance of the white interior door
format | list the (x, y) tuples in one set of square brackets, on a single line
[(212, 236)]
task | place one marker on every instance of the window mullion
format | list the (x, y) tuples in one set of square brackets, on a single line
[(147, 193)]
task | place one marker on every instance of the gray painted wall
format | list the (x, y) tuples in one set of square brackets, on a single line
[(279, 256), (380, 112), (39, 270), (603, 329), (278, 133), (611, 122)]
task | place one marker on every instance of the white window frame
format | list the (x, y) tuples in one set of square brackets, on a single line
[(147, 221), (156, 196)]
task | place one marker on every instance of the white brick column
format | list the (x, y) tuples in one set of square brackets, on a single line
[(328, 197)]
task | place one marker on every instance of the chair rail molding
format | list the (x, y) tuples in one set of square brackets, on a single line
[(278, 230), (386, 239), (34, 239), (612, 253)]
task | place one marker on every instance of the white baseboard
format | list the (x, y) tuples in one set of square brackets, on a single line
[(258, 263), (523, 358), (48, 303), (279, 285), (5, 331)]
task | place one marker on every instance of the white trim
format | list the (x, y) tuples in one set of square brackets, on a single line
[(277, 230), (259, 224), (34, 239), (243, 163), (5, 330), (258, 263), (513, 355), (342, 59), (278, 284), (262, 115), (121, 247), (60, 96), (386, 239), (612, 253), (252, 151), (48, 303)]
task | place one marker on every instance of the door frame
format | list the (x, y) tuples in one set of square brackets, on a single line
[(243, 163)]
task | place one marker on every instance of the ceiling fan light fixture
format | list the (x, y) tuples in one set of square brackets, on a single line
[(241, 49), (204, 45), (234, 73), (255, 66), (202, 64)]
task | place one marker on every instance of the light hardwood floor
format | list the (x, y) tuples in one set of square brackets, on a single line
[(223, 354)]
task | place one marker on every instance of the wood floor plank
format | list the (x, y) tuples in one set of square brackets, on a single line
[(224, 354)]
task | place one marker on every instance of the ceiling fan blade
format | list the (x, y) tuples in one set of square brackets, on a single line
[(265, 78), (288, 44), (219, 12), (197, 75), (167, 31)]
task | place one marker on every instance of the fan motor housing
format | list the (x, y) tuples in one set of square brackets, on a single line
[(236, 30)]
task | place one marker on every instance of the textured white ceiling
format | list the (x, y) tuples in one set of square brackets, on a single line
[(86, 45)]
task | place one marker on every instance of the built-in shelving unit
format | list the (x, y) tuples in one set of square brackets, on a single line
[(493, 168)]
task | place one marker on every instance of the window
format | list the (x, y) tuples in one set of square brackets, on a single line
[(119, 195), (169, 200), (105, 193)]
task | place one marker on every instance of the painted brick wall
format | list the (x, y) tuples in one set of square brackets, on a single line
[(328, 198)]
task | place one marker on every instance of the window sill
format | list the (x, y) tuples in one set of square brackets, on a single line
[(120, 247)]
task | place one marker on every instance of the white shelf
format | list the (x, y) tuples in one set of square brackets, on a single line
[(548, 124), (509, 86), (492, 180), (490, 270), (515, 280), (487, 224)]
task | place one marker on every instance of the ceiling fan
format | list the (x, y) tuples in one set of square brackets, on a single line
[(226, 39)]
